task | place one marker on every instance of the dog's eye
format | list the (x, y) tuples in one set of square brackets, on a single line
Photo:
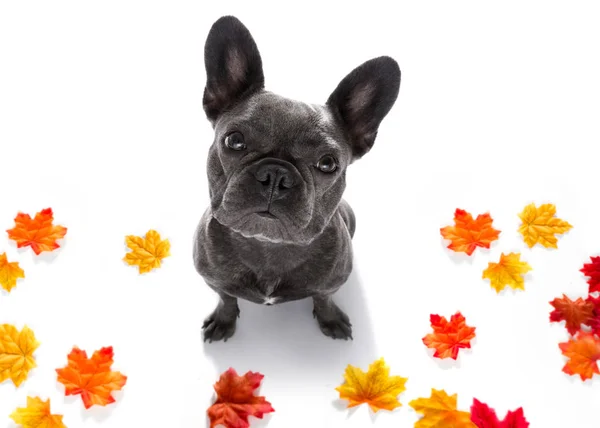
[(235, 141), (327, 164)]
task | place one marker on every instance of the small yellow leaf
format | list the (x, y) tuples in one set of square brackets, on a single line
[(37, 415), (540, 225), (9, 273), (509, 271), (16, 353), (376, 387), (439, 411), (147, 253)]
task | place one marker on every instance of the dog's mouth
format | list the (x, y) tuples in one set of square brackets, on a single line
[(266, 214)]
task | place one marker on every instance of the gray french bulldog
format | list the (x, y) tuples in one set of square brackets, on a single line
[(277, 228)]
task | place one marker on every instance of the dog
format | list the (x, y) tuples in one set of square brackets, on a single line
[(277, 228)]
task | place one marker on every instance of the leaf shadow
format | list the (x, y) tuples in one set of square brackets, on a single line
[(444, 363), (45, 256), (575, 379), (102, 413)]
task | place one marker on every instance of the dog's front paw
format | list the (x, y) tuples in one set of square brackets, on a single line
[(334, 323), (216, 328)]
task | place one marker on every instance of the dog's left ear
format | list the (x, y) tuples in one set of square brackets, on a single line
[(363, 98), (233, 66)]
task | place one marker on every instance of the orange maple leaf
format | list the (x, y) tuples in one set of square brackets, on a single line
[(449, 336), (573, 312), (236, 400), (91, 377), (37, 415), (10, 272), (440, 411), (375, 387), (583, 352), (467, 234), (39, 233)]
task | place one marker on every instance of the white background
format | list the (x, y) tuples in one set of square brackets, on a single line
[(101, 119)]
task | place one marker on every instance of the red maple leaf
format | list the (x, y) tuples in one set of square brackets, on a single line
[(573, 312), (449, 337), (595, 321), (592, 270), (485, 417), (236, 400)]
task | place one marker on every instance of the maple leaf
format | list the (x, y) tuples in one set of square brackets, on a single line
[(91, 377), (595, 321), (449, 336), (508, 271), (439, 411), (39, 233), (485, 417), (592, 271), (148, 252), (236, 400), (573, 312), (540, 225), (9, 273), (37, 415), (468, 234), (376, 387), (583, 352), (16, 353)]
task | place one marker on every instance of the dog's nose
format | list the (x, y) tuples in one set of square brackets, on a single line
[(276, 179)]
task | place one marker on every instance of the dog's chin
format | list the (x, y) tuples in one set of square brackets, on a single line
[(264, 226)]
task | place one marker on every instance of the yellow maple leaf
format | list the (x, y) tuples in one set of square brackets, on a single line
[(540, 225), (147, 252), (9, 273), (376, 387), (439, 411), (16, 353), (508, 271), (37, 415)]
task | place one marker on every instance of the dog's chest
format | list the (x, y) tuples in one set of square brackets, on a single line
[(268, 290)]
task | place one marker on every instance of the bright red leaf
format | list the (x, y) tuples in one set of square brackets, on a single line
[(485, 417), (236, 400), (449, 336), (595, 322), (592, 271)]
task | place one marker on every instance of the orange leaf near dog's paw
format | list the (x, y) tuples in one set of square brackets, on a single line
[(37, 415), (583, 352), (467, 233), (449, 337), (9, 273), (39, 233), (376, 387), (147, 253), (236, 400), (91, 377)]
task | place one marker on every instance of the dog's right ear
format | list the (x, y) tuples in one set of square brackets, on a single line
[(233, 66)]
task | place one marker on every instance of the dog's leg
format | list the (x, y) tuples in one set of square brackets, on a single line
[(333, 322), (220, 325)]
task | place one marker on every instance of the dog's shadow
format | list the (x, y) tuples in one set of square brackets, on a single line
[(284, 342)]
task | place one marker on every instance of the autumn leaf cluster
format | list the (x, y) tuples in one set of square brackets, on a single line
[(91, 378), (236, 397), (582, 321)]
